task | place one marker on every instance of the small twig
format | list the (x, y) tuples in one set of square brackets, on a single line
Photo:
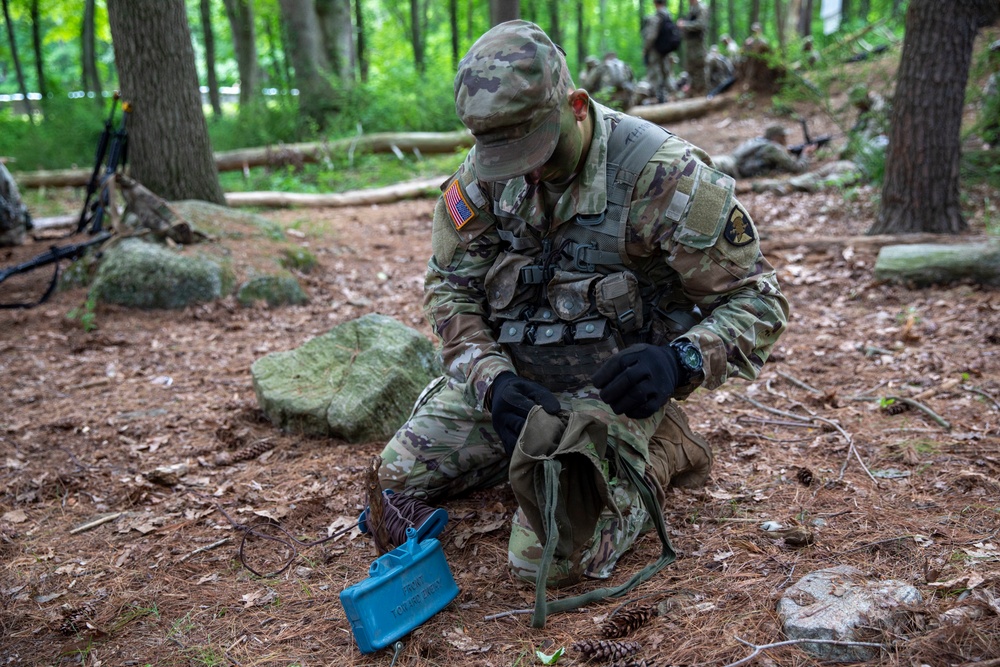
[(774, 422), (982, 393), (757, 649), (774, 411), (923, 408), (799, 383), (875, 544), (207, 547), (503, 614), (100, 521)]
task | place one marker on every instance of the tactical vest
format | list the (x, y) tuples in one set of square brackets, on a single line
[(564, 304)]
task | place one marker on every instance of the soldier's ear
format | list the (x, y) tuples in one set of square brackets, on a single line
[(579, 100)]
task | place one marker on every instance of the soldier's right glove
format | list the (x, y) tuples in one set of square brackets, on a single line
[(513, 398)]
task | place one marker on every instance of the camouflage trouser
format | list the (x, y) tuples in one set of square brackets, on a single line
[(659, 76), (447, 448), (695, 65)]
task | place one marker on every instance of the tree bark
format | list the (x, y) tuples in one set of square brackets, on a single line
[(208, 35), (17, 61), (317, 96), (169, 149), (241, 23), (422, 188), (36, 42), (672, 112), (554, 31), (88, 53), (359, 20), (504, 10), (453, 29), (417, 37), (921, 189), (338, 38)]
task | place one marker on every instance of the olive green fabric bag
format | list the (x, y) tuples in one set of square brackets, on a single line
[(559, 474)]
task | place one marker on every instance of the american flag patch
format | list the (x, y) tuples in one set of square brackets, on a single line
[(458, 206)]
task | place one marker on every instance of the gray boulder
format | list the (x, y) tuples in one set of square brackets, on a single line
[(274, 290), (14, 218), (138, 274), (835, 603), (357, 382)]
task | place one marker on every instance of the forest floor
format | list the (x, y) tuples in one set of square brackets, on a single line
[(86, 419)]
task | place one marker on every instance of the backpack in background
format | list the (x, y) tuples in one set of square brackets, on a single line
[(668, 38)]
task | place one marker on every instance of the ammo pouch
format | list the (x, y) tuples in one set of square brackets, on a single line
[(557, 473), (562, 367)]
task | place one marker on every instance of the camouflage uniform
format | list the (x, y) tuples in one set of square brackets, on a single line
[(694, 250), (718, 67), (695, 27), (760, 156), (658, 66)]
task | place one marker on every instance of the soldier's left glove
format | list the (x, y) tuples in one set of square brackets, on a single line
[(638, 380)]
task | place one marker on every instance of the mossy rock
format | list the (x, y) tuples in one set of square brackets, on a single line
[(357, 382), (138, 274), (276, 290), (298, 258), (218, 220)]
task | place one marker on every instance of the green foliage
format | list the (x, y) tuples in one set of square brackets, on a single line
[(85, 314), (268, 122), (277, 290), (67, 136), (298, 258)]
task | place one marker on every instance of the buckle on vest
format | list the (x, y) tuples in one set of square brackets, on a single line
[(590, 220), (579, 263), (535, 275)]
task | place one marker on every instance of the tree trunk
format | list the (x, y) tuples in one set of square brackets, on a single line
[(416, 37), (36, 43), (359, 21), (88, 53), (241, 24), (581, 34), (731, 17), (754, 12), (938, 264), (412, 190), (921, 189), (317, 96), (169, 149), (17, 61), (453, 29), (209, 38), (554, 31), (338, 38), (504, 10), (672, 112), (805, 18), (779, 23)]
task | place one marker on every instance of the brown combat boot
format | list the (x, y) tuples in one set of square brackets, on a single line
[(677, 455)]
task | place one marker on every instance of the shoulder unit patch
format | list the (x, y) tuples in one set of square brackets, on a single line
[(458, 205), (739, 231)]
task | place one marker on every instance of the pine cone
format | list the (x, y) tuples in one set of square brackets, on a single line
[(252, 451), (75, 618), (805, 476), (606, 649), (626, 622), (633, 663)]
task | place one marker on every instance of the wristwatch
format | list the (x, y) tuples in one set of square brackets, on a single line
[(692, 365)]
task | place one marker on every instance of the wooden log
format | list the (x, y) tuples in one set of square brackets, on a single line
[(926, 264), (245, 158), (672, 112), (813, 243), (410, 190)]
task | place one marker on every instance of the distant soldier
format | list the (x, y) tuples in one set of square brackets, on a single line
[(810, 56), (764, 155), (591, 75), (615, 82), (656, 49), (695, 28), (756, 70), (719, 68), (14, 218), (730, 49)]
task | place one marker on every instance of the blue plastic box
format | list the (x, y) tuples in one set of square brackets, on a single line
[(404, 588)]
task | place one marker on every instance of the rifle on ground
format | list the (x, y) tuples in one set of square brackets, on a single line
[(821, 140), (54, 255), (722, 87), (112, 154)]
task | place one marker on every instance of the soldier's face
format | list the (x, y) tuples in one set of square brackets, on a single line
[(566, 157)]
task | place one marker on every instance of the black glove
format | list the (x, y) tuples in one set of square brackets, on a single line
[(638, 380), (513, 398)]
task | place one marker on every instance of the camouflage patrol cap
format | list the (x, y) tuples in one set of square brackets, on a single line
[(509, 91), (774, 132)]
